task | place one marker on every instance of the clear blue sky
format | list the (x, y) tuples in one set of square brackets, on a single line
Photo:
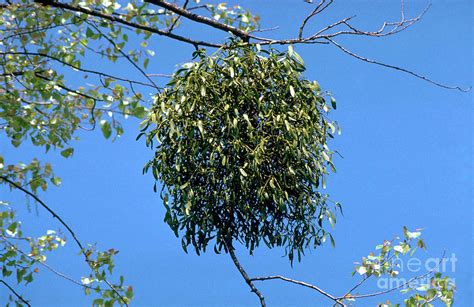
[(407, 148)]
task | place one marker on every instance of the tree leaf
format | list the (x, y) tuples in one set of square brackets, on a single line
[(106, 128), (66, 153)]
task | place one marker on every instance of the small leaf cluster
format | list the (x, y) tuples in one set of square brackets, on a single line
[(439, 287), (240, 140), (34, 175), (235, 16), (385, 261), (20, 255), (427, 287), (102, 265)]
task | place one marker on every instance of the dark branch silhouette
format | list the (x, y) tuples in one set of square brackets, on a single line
[(15, 293)]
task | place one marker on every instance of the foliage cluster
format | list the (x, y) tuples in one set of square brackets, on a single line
[(241, 150), (386, 262)]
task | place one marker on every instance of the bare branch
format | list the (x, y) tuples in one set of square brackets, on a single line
[(367, 60), (396, 27), (123, 54), (244, 274), (15, 293), (301, 283), (36, 198), (90, 71), (160, 75), (265, 30), (319, 8), (175, 22)]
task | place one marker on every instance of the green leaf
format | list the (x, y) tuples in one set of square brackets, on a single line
[(66, 153), (423, 287), (325, 156), (200, 127), (139, 112), (89, 32), (398, 248), (292, 91), (106, 128), (241, 170), (56, 181), (333, 242)]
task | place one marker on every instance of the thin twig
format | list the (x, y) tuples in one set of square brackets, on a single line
[(175, 22), (367, 60), (160, 75), (301, 283), (47, 209), (124, 54), (319, 8), (101, 74)]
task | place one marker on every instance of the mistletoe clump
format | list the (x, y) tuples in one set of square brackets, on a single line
[(240, 150)]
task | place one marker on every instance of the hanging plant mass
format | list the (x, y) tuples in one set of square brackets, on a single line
[(240, 150)]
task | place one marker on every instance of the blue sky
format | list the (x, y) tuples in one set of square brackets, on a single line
[(407, 148)]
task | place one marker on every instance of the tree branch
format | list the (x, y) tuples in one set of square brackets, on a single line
[(244, 274), (123, 54), (127, 23), (36, 198), (200, 19), (15, 293), (301, 283), (367, 60), (175, 22), (319, 8), (98, 73), (320, 37)]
